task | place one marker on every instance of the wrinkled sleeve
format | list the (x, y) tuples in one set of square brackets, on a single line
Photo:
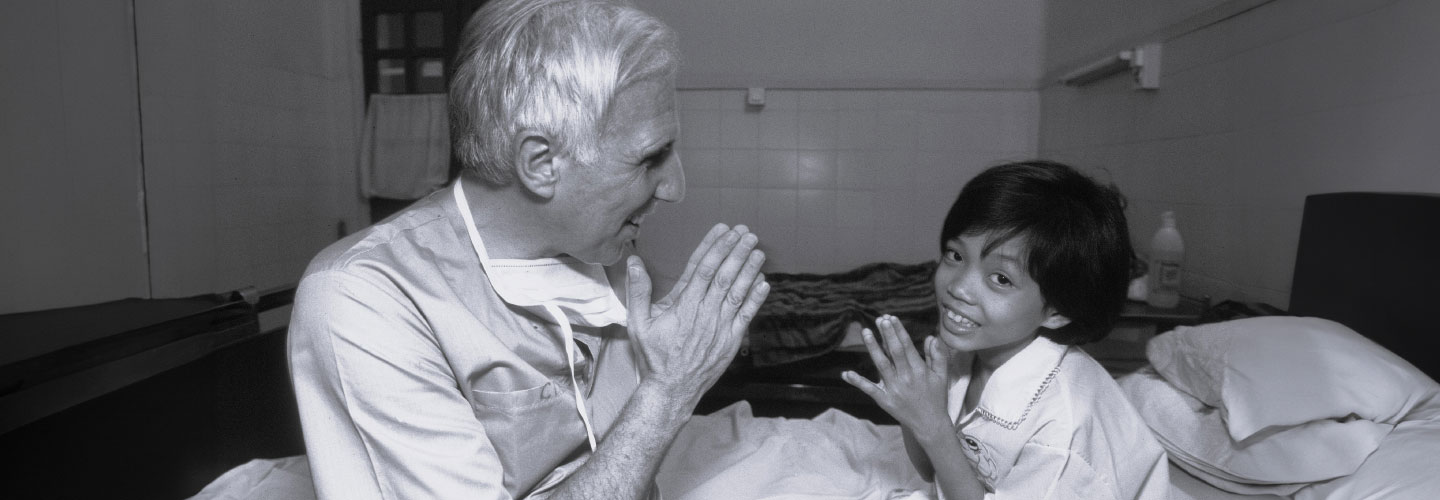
[(382, 414), (1044, 472)]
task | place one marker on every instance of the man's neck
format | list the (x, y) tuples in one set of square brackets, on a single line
[(511, 224)]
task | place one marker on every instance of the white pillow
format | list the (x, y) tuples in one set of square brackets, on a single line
[(1278, 462), (1403, 467), (1281, 371)]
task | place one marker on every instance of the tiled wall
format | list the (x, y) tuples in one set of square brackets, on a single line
[(832, 179), (1254, 113), (250, 115)]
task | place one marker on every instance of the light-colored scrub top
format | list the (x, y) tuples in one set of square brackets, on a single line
[(1053, 424), (415, 380)]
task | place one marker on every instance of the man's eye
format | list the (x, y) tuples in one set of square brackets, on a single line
[(657, 158)]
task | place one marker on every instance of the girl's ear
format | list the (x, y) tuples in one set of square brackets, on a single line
[(1055, 320), (536, 164)]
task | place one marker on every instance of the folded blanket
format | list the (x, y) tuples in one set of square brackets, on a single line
[(806, 314)]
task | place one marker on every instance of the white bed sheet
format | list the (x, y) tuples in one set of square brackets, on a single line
[(731, 455)]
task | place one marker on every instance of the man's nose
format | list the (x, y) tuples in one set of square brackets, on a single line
[(672, 181)]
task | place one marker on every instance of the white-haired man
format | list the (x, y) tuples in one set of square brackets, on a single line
[(472, 346)]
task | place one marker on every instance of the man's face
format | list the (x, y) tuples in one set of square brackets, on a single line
[(637, 165)]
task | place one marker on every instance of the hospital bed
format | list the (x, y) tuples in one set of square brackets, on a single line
[(1334, 399), (771, 428)]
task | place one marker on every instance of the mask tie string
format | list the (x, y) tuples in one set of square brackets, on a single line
[(555, 313), (569, 335)]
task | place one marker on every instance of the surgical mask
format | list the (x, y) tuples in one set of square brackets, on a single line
[(564, 289)]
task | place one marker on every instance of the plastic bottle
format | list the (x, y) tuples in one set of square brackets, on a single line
[(1167, 251)]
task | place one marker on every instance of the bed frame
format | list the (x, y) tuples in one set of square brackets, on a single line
[(1371, 261), (1367, 260)]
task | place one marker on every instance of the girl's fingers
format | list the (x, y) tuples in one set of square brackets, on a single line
[(902, 336), (901, 353), (938, 356), (877, 354), (865, 385)]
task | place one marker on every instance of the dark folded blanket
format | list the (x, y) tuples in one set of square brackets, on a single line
[(806, 314)]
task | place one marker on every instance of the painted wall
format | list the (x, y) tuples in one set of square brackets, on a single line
[(1292, 98), (829, 44), (234, 152), (251, 125), (70, 175)]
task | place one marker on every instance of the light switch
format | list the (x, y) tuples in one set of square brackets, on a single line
[(755, 96)]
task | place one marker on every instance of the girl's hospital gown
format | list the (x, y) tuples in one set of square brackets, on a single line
[(1052, 423)]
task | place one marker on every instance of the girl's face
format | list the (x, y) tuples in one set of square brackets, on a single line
[(988, 303)]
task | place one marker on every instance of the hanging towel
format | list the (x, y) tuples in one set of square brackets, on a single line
[(405, 148)]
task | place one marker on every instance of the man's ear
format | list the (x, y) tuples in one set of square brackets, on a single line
[(1055, 320), (536, 164)]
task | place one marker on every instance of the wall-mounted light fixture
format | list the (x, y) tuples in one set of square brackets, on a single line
[(1143, 62)]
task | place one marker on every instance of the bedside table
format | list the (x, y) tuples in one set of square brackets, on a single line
[(1123, 350), (1186, 313)]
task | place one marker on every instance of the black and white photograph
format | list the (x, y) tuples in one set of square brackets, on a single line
[(719, 249)]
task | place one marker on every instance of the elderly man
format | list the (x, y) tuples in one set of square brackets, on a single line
[(473, 346)]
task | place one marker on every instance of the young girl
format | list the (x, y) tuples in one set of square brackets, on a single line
[(1035, 259)]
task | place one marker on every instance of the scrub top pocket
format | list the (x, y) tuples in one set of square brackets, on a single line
[(514, 419)]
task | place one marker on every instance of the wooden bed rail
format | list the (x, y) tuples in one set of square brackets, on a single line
[(165, 397)]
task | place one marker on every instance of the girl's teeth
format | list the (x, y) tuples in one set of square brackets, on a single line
[(959, 319)]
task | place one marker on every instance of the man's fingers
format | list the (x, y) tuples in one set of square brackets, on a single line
[(709, 240), (741, 288), (727, 275), (709, 264), (637, 286), (758, 291)]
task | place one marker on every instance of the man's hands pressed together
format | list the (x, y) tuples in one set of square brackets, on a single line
[(688, 338)]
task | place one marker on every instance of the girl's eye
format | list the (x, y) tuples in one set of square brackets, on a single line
[(951, 255), (1001, 279)]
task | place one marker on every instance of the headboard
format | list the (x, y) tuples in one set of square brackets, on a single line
[(1371, 261)]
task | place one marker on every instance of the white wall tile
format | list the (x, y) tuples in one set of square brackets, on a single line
[(816, 208), (1254, 114), (778, 168), (699, 127), (778, 129), (815, 169), (739, 168), (844, 165), (702, 167), (739, 129)]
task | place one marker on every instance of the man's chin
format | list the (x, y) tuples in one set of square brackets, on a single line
[(608, 255)]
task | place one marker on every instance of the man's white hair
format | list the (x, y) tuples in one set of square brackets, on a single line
[(553, 66)]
